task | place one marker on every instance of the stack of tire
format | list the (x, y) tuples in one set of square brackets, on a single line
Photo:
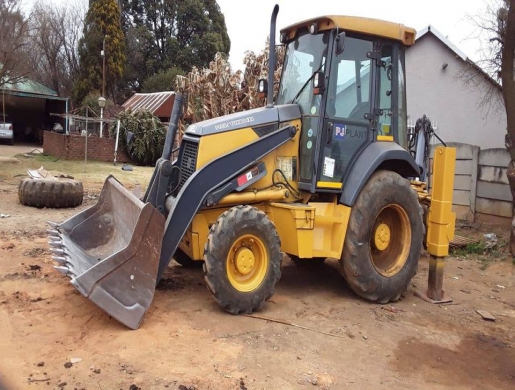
[(58, 193)]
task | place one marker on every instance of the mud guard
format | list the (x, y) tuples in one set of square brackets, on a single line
[(377, 155)]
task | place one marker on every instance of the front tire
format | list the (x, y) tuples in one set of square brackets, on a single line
[(384, 238), (242, 259)]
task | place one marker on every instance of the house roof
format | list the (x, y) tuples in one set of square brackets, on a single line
[(29, 86), (32, 89), (158, 103), (441, 37), (433, 31)]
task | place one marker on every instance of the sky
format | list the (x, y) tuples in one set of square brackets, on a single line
[(248, 21)]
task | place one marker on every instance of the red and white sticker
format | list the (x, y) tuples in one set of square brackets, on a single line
[(247, 176)]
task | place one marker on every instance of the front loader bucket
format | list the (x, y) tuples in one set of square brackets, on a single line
[(111, 252)]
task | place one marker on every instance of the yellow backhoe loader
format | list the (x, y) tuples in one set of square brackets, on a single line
[(322, 172)]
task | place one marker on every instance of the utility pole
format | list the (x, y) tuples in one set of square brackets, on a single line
[(86, 141), (3, 101), (104, 67), (101, 99)]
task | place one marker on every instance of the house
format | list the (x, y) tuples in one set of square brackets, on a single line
[(157, 103), (449, 88)]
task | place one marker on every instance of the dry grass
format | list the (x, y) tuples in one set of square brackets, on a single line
[(92, 174)]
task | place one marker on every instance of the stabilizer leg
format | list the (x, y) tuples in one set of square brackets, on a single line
[(440, 223)]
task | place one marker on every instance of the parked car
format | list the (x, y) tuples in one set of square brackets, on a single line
[(7, 132)]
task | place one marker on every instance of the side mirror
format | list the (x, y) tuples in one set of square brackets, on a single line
[(340, 43), (262, 88), (318, 83)]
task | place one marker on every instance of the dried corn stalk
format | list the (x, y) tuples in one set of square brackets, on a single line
[(218, 91)]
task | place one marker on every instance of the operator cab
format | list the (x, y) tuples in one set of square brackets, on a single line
[(347, 75)]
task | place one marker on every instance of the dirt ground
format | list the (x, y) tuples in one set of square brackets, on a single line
[(187, 342), (18, 148)]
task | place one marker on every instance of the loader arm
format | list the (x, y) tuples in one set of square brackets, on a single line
[(208, 178)]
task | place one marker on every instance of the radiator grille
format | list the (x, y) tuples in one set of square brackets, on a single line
[(188, 161)]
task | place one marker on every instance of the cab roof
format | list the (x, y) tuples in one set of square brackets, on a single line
[(368, 26)]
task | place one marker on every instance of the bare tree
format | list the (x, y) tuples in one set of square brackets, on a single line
[(489, 64), (55, 34), (13, 42), (497, 33), (48, 41), (506, 18)]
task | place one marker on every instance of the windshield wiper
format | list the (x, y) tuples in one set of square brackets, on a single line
[(306, 83)]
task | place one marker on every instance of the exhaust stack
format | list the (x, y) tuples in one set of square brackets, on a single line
[(271, 58)]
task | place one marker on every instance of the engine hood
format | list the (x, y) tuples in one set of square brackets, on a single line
[(252, 118)]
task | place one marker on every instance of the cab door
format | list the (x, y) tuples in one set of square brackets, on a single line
[(348, 114)]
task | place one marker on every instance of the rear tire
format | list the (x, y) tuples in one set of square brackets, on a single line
[(384, 238), (242, 259), (185, 261), (61, 193)]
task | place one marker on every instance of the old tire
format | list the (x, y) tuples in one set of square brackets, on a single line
[(59, 193), (384, 238), (242, 259), (314, 262), (185, 261)]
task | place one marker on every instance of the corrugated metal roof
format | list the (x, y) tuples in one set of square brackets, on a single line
[(30, 86), (158, 103)]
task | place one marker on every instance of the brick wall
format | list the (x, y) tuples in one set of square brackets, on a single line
[(71, 147)]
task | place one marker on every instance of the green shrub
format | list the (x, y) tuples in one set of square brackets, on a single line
[(148, 136), (475, 248)]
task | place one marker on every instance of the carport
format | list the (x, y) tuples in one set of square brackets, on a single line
[(29, 107)]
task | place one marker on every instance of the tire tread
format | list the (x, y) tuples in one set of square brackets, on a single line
[(355, 268), (219, 241), (62, 193)]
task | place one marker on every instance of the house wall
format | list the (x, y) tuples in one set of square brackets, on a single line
[(493, 190), (444, 98), (72, 147)]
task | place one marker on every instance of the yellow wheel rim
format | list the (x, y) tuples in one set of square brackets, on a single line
[(390, 242), (247, 263), (382, 236)]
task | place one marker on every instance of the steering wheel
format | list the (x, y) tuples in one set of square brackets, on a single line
[(359, 111)]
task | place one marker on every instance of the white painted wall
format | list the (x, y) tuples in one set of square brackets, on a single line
[(437, 93)]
